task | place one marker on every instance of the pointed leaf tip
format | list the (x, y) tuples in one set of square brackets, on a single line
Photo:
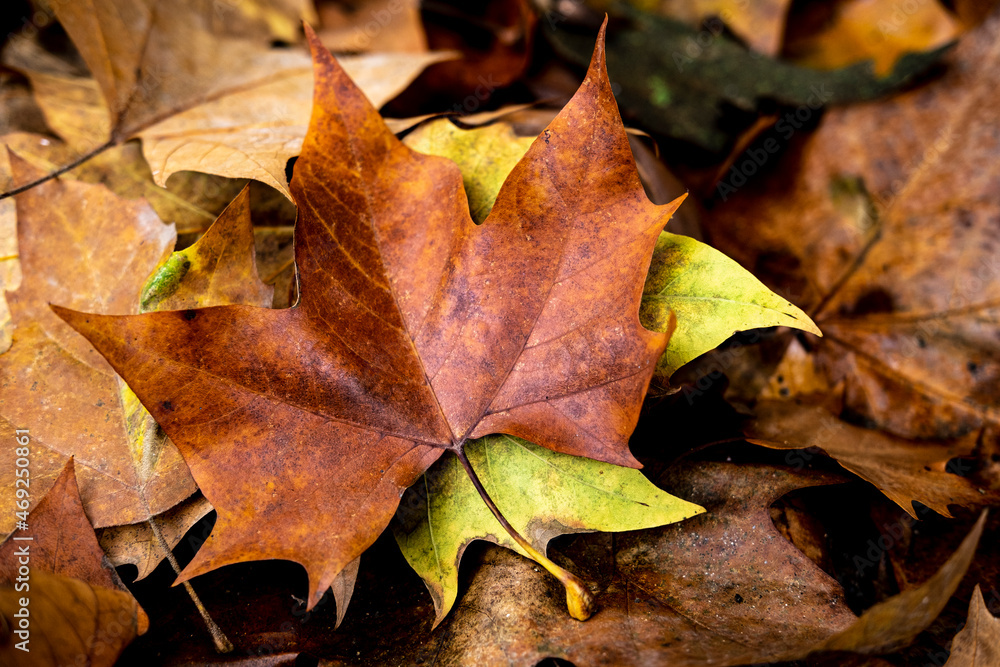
[(598, 61), (315, 45)]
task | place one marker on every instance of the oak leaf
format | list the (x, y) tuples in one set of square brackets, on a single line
[(416, 330)]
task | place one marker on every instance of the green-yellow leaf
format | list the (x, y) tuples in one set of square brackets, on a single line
[(219, 269), (543, 494), (485, 155), (712, 297)]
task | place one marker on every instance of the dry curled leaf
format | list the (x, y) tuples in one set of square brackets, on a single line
[(904, 470), (78, 609), (157, 71)]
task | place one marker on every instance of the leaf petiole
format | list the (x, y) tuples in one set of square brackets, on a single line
[(61, 170), (579, 600)]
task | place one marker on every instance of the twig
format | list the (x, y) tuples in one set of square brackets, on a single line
[(222, 643), (61, 170)]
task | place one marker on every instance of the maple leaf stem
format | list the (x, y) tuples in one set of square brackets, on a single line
[(579, 600), (222, 643), (61, 170)]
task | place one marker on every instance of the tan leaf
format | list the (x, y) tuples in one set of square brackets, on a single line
[(252, 132), (160, 80), (889, 241), (136, 544), (81, 243), (903, 470), (978, 644)]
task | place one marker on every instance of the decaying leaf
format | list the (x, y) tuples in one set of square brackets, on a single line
[(136, 544), (72, 622), (890, 245), (876, 30), (408, 339), (19, 111), (70, 101), (978, 644), (77, 608), (761, 24), (723, 587), (700, 87), (711, 296), (895, 622), (62, 538), (53, 382), (904, 470), (543, 494)]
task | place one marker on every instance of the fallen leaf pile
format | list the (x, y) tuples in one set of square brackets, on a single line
[(285, 379)]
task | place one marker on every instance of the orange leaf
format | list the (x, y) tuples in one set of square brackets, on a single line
[(416, 330)]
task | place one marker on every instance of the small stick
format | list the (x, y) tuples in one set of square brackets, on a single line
[(153, 431), (222, 643), (61, 170)]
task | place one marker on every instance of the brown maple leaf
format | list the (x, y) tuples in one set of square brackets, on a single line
[(416, 330), (80, 612)]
